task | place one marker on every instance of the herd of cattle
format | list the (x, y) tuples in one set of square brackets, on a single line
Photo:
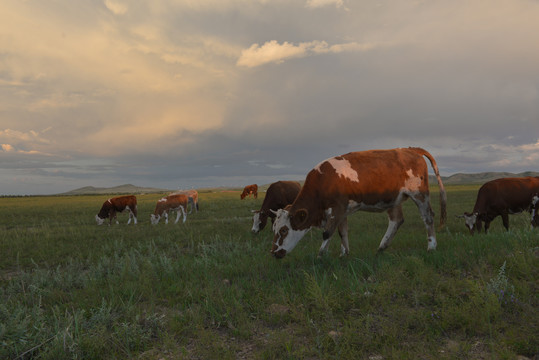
[(374, 181)]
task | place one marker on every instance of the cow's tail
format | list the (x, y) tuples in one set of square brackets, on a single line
[(443, 195)]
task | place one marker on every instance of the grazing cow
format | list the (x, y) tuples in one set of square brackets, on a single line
[(115, 205), (502, 197), (248, 190), (375, 180), (278, 195), (192, 196), (176, 202)]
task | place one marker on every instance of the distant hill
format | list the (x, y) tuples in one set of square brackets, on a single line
[(479, 178), (120, 189), (455, 179)]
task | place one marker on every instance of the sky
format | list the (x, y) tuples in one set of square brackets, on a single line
[(181, 94)]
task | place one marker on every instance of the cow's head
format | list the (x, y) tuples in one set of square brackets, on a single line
[(99, 220), (154, 219), (470, 221), (285, 238), (259, 221)]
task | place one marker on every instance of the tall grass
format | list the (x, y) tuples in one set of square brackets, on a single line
[(210, 289)]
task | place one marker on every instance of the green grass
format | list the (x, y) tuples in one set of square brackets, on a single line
[(209, 289)]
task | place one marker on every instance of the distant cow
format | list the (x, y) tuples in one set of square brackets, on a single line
[(278, 195), (250, 190), (192, 196), (177, 202), (117, 205), (502, 197), (375, 180)]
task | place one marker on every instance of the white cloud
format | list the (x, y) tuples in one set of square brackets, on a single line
[(273, 52), (115, 7), (322, 3)]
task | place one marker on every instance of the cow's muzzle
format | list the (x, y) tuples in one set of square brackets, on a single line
[(279, 254)]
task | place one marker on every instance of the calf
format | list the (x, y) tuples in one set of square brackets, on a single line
[(250, 190), (115, 205), (502, 197), (278, 195), (375, 180), (176, 202)]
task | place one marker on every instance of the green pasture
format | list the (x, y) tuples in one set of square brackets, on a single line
[(209, 289)]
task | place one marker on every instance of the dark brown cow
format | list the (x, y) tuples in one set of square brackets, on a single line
[(115, 205), (375, 180), (250, 190), (176, 202), (278, 195), (502, 197)]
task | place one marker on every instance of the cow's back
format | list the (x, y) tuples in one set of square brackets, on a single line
[(280, 194), (513, 194)]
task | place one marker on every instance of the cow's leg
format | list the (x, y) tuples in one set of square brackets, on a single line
[(184, 212), (423, 204), (166, 216), (505, 220), (396, 219), (343, 233), (332, 222), (134, 213), (180, 211)]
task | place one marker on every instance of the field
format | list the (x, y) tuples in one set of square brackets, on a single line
[(209, 289)]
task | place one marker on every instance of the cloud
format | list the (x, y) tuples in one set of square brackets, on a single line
[(321, 3), (115, 7), (273, 52)]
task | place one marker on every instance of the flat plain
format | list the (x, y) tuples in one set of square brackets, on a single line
[(209, 289)]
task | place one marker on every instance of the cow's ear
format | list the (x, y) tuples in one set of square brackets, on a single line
[(300, 217)]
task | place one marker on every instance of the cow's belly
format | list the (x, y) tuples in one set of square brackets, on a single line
[(375, 206), (354, 206)]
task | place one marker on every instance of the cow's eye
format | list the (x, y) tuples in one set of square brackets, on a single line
[(283, 231)]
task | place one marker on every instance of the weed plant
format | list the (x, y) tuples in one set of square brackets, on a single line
[(209, 289)]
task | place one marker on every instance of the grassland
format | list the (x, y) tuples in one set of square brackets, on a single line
[(209, 289)]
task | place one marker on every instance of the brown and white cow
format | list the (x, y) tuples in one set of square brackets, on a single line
[(250, 190), (192, 196), (278, 195), (177, 202), (374, 180), (502, 197), (117, 205)]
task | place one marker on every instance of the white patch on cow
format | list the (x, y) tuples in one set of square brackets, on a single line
[(291, 238), (154, 219), (470, 220), (162, 200), (256, 222), (342, 168), (413, 182), (432, 244), (99, 220), (329, 214)]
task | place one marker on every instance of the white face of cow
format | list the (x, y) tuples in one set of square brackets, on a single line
[(154, 219), (256, 221), (470, 220), (285, 238), (99, 220)]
